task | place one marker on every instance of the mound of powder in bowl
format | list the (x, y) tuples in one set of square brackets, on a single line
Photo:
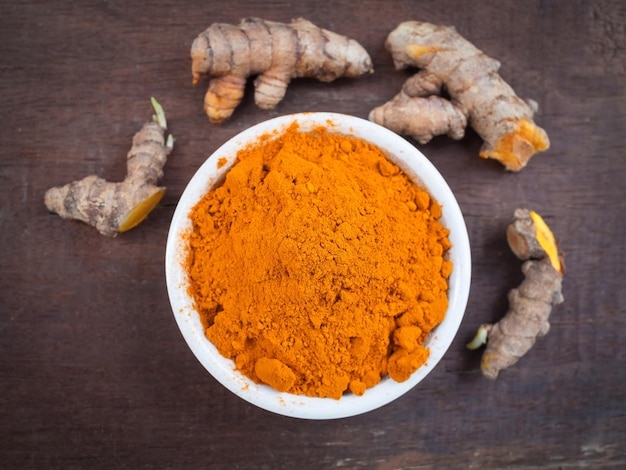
[(318, 266)]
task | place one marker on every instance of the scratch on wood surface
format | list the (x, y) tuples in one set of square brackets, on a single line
[(608, 35)]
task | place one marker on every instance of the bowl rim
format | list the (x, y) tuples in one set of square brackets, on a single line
[(413, 162)]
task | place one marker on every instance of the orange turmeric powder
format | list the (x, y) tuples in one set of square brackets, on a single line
[(317, 266)]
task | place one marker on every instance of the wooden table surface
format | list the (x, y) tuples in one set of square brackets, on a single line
[(94, 372)]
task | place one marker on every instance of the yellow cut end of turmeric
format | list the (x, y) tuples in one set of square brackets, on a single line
[(514, 149), (415, 51), (141, 211), (546, 239), (529, 131)]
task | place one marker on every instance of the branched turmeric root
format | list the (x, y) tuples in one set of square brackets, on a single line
[(478, 96), (531, 303), (118, 207), (277, 53)]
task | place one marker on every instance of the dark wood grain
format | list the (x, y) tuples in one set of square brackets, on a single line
[(94, 372)]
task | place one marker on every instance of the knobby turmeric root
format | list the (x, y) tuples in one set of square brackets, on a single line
[(478, 96), (277, 53), (118, 207), (530, 304)]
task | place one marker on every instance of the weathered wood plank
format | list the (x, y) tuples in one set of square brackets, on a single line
[(93, 371)]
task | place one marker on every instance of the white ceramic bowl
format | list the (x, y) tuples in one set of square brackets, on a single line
[(417, 166)]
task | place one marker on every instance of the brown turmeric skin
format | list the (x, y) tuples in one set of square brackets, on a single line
[(478, 96), (531, 303), (275, 53), (318, 267), (115, 207)]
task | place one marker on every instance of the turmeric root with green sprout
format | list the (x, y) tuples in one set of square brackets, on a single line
[(530, 304), (118, 207), (277, 53), (478, 96)]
